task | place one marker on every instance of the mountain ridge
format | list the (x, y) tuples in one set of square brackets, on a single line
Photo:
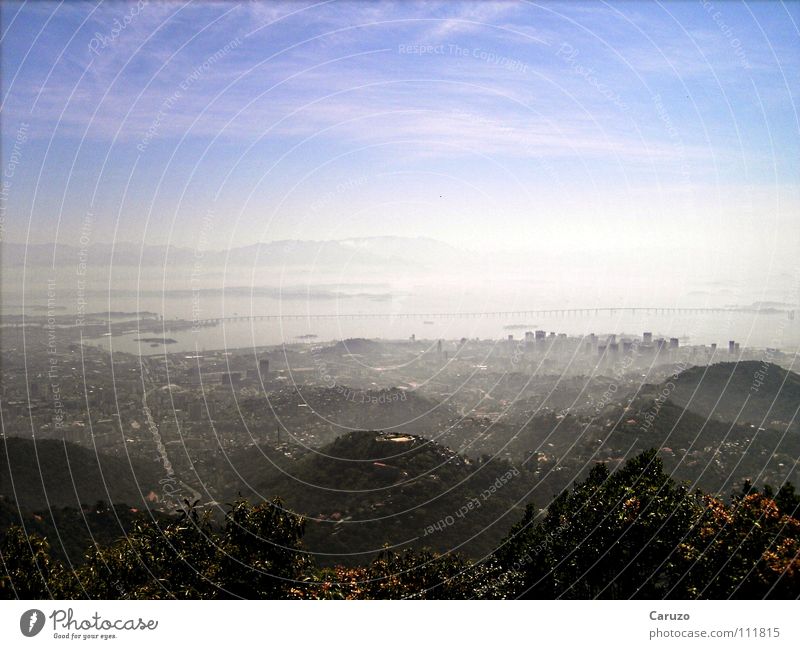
[(360, 251)]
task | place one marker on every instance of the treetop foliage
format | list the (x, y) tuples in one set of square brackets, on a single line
[(633, 533)]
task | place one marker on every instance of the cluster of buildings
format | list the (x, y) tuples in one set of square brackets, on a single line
[(306, 392)]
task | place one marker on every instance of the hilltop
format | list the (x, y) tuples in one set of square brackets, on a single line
[(371, 488), (716, 456), (327, 412), (763, 394)]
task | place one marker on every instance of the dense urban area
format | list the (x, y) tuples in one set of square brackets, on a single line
[(415, 445)]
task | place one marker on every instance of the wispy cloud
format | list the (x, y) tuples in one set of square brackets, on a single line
[(631, 91)]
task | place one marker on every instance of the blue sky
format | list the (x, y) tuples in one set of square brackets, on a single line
[(524, 125)]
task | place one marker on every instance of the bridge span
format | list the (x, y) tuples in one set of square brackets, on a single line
[(432, 316)]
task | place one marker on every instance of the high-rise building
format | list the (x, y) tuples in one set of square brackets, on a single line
[(263, 367), (233, 378), (647, 337), (673, 343), (731, 346)]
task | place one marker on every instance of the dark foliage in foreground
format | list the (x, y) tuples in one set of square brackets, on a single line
[(634, 533)]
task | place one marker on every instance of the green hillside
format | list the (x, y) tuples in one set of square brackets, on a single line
[(750, 392), (73, 531), (51, 473), (368, 489)]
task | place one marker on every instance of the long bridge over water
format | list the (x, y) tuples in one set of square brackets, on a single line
[(517, 313)]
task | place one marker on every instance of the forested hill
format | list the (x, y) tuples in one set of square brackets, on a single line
[(630, 533), (716, 456), (52, 473), (369, 488), (73, 530), (763, 394)]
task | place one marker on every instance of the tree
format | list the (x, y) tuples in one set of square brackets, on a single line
[(748, 550), (420, 575), (612, 536), (257, 554), (260, 553), (177, 560), (27, 568), (631, 533)]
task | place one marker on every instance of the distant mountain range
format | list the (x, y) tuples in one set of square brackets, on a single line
[(380, 252)]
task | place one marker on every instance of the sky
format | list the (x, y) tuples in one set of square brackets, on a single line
[(535, 126)]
